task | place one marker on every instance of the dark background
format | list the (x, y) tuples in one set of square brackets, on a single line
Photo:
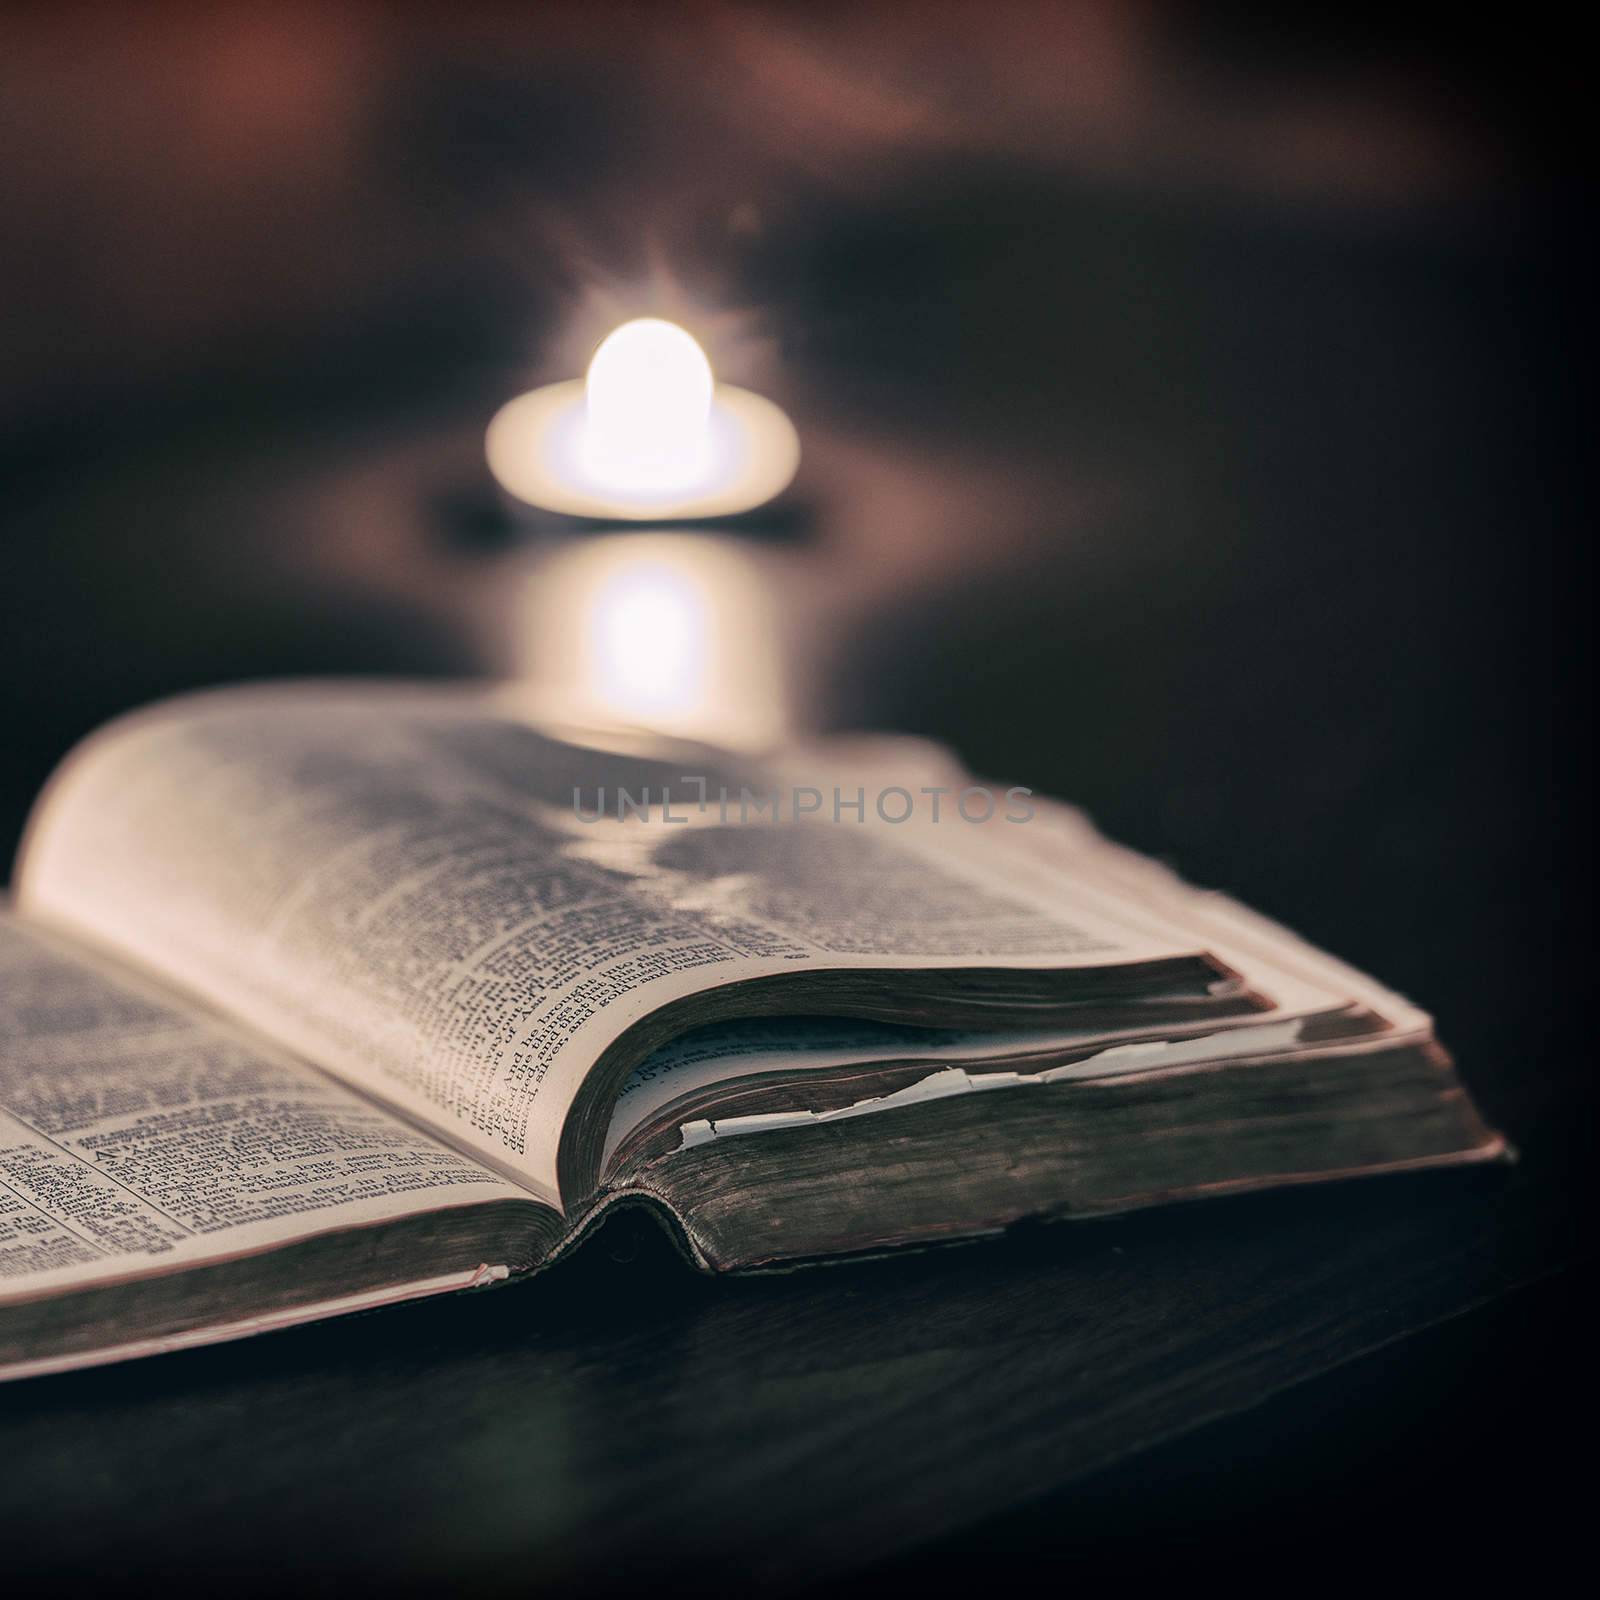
[(1197, 419)]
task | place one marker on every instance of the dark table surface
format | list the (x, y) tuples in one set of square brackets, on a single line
[(1060, 1394), (1285, 607)]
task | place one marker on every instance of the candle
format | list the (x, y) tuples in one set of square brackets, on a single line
[(647, 435)]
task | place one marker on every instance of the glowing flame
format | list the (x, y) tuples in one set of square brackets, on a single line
[(648, 401)]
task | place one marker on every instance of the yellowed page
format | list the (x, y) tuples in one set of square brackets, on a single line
[(138, 1134)]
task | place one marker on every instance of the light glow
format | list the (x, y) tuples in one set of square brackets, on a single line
[(647, 638), (647, 400), (674, 632)]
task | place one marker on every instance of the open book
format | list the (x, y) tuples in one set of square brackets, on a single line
[(323, 997)]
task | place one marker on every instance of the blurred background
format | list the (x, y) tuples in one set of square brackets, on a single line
[(1190, 401)]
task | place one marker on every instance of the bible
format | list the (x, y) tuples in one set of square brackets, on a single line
[(320, 997)]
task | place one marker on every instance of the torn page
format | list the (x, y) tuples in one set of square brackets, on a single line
[(1148, 1056)]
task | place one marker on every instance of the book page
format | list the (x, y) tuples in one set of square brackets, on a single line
[(1067, 855), (1063, 846), (416, 891), (137, 1134), (1069, 845)]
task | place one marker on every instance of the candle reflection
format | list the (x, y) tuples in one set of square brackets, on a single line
[(671, 632), (648, 627)]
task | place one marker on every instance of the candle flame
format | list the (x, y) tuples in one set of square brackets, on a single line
[(648, 403)]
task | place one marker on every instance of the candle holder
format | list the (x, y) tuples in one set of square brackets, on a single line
[(647, 436)]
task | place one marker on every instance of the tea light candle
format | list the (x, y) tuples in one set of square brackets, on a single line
[(648, 435)]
